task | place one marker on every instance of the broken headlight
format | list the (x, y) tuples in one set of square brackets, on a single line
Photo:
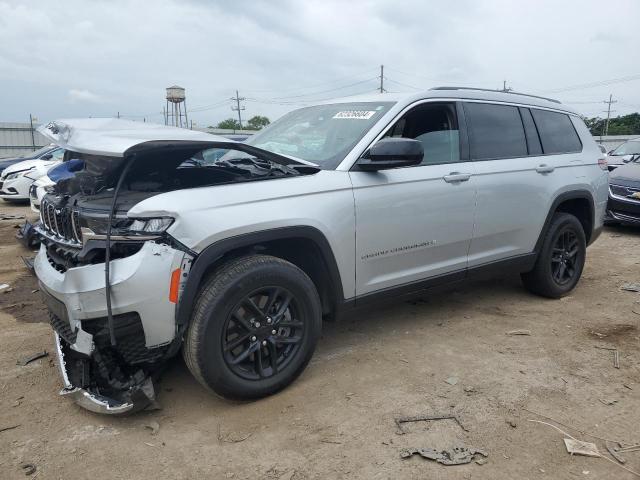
[(19, 173), (150, 225), (123, 225)]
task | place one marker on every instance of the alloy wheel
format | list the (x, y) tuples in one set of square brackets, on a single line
[(263, 333), (564, 257)]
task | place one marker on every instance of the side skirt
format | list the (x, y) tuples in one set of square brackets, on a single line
[(500, 268)]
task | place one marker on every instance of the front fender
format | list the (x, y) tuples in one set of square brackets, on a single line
[(217, 250)]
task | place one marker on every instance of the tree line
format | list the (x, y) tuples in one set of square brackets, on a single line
[(254, 123), (622, 125)]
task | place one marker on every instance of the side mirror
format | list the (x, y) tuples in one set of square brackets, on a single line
[(46, 156), (392, 153)]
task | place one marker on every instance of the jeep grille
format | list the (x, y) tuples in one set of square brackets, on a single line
[(60, 222)]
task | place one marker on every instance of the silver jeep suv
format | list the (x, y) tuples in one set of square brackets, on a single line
[(167, 240)]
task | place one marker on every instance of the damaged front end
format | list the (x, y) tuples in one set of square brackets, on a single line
[(101, 375), (102, 391), (111, 282)]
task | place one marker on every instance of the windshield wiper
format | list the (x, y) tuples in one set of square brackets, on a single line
[(263, 166)]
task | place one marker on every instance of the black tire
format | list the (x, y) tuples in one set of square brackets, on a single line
[(557, 270), (220, 314)]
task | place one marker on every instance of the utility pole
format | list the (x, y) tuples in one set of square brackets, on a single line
[(118, 114), (238, 107), (382, 90), (33, 138), (609, 111)]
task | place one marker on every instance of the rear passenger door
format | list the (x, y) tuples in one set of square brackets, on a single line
[(516, 179)]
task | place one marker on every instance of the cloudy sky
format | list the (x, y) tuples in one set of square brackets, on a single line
[(79, 58)]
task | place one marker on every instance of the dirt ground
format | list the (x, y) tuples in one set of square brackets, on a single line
[(448, 353)]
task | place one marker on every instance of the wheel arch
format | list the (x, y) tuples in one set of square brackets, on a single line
[(304, 246), (579, 203)]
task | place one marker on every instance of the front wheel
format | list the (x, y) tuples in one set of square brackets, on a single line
[(561, 258), (254, 327)]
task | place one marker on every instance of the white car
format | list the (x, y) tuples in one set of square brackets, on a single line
[(16, 179), (38, 190)]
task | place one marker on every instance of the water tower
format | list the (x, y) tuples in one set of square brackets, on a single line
[(176, 111)]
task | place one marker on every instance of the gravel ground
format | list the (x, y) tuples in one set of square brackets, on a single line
[(448, 353)]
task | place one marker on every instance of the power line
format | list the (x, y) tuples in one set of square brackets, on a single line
[(601, 83), (368, 72), (583, 103), (410, 74), (210, 106), (325, 91), (304, 102), (403, 84)]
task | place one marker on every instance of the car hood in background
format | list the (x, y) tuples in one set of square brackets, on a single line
[(6, 163), (26, 165), (627, 175)]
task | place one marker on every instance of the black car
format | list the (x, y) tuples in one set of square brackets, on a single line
[(624, 194), (38, 154)]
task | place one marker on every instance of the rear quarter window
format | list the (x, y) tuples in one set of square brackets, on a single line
[(496, 131), (557, 133)]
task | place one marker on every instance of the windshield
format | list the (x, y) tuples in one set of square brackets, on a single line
[(628, 148), (322, 134), (39, 152)]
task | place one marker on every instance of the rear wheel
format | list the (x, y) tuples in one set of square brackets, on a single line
[(561, 258), (254, 327)]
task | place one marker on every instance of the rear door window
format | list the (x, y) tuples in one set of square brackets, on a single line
[(557, 133), (496, 131), (533, 139)]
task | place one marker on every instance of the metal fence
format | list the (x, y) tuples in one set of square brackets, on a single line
[(18, 139)]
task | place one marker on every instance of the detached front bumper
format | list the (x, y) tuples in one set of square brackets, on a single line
[(98, 376), (90, 401)]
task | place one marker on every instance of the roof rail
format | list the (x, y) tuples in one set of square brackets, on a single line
[(497, 91)]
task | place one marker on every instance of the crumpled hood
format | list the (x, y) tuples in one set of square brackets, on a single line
[(113, 137)]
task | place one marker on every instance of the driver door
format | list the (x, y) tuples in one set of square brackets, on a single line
[(414, 225)]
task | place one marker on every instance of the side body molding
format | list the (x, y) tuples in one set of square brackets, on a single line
[(217, 250)]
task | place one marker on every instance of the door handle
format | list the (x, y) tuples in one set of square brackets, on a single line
[(544, 168), (455, 177)]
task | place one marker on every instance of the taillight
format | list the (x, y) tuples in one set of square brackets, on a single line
[(602, 163)]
